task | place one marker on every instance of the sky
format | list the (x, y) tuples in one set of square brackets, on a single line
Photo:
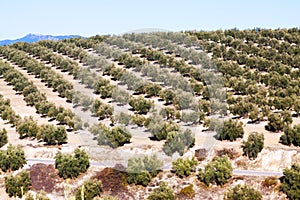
[(91, 17)]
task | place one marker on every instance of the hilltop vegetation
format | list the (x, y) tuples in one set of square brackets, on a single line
[(168, 94)]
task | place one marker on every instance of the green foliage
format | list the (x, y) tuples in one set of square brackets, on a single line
[(117, 136), (290, 182), (178, 141), (39, 196), (218, 171), (121, 136), (163, 192), (253, 145), (123, 118), (160, 129), (213, 124), (152, 90), (187, 191), (104, 88), (45, 107), (120, 96), (140, 105), (291, 136), (168, 112), (89, 190), (167, 95), (231, 130), (275, 122), (12, 159), (3, 137), (192, 117), (17, 186), (243, 192), (139, 120), (101, 109), (52, 134), (184, 167), (140, 171), (27, 128), (71, 166)]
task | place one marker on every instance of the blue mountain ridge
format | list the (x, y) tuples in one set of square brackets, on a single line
[(36, 37)]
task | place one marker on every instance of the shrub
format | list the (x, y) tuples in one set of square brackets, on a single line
[(187, 191), (71, 166), (178, 142), (121, 136), (52, 134), (275, 122), (253, 145), (120, 96), (17, 186), (153, 90), (290, 182), (192, 117), (3, 137), (141, 170), (138, 120), (123, 118), (162, 192), (231, 130), (218, 171), (39, 196), (161, 130), (27, 128), (12, 159), (89, 190), (140, 105), (167, 95), (291, 136), (184, 167), (115, 137), (243, 192)]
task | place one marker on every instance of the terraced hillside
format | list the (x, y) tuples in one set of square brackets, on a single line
[(202, 111)]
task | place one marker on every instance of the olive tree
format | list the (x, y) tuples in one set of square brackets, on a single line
[(17, 186), (115, 137), (140, 171), (184, 167), (231, 130), (253, 145), (178, 141), (140, 105), (3, 137), (218, 171), (120, 96), (52, 134), (89, 190), (162, 192), (242, 192), (27, 128), (72, 165), (291, 136), (12, 159), (290, 182)]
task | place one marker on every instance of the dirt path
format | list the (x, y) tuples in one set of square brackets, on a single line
[(51, 96), (65, 75), (19, 105)]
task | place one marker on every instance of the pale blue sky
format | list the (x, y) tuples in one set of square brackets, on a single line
[(91, 17)]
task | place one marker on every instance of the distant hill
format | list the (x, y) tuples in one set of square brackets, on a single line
[(36, 37)]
